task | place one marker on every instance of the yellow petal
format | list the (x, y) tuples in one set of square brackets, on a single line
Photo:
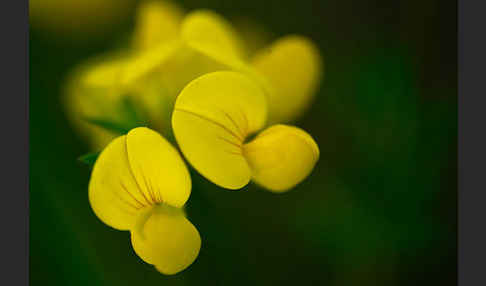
[(106, 73), (147, 62), (158, 168), (156, 22), (113, 193), (164, 238), (211, 119), (211, 34), (293, 66), (281, 157)]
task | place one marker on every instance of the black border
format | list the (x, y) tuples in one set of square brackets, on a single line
[(14, 213), (471, 143)]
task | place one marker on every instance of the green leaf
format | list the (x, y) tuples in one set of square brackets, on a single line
[(89, 159), (107, 124)]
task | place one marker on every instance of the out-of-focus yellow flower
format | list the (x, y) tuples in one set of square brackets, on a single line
[(156, 22), (82, 17), (293, 66), (212, 120), (140, 183)]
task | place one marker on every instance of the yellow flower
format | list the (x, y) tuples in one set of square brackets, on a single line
[(212, 120), (140, 183)]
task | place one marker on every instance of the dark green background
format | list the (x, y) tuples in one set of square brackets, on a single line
[(379, 208)]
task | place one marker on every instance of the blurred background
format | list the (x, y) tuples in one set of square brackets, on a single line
[(378, 209)]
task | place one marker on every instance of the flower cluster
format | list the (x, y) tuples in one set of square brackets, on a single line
[(190, 76)]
